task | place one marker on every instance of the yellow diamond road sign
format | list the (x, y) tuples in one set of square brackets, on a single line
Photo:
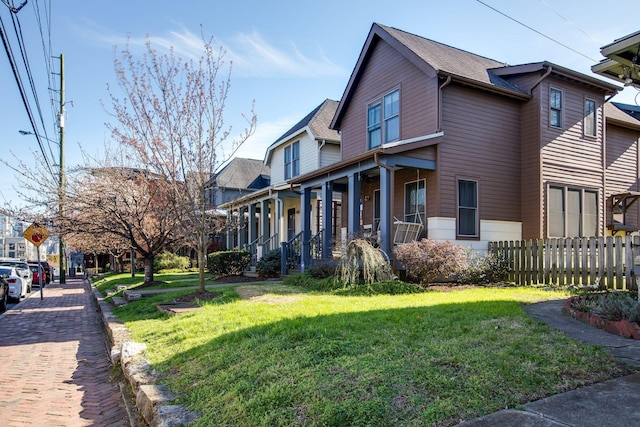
[(36, 234)]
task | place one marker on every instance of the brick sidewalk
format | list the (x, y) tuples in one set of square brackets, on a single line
[(55, 368)]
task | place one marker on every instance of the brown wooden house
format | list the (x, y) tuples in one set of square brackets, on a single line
[(473, 150)]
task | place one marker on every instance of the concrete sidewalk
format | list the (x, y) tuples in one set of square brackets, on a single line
[(55, 366), (612, 403)]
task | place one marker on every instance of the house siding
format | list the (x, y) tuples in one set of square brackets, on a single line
[(481, 142), (567, 157), (622, 168), (385, 71), (329, 154), (531, 185)]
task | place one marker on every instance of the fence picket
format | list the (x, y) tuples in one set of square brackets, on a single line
[(578, 261)]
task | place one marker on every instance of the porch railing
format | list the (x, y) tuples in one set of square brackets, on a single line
[(270, 244), (252, 249), (291, 253), (315, 245)]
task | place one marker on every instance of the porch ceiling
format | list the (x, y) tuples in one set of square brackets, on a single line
[(622, 62)]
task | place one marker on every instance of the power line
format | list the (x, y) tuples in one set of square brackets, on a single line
[(537, 32), (25, 101), (568, 20)]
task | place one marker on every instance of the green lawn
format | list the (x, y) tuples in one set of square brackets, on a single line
[(173, 280), (280, 356)]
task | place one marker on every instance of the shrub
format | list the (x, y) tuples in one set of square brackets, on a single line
[(618, 306), (428, 260), (363, 263), (307, 281), (228, 263), (170, 261), (485, 268), (269, 264), (321, 269)]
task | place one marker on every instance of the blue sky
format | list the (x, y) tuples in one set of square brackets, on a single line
[(288, 56)]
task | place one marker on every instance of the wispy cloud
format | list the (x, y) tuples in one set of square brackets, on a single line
[(266, 134), (251, 54)]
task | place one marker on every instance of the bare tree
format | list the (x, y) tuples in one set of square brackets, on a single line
[(172, 115)]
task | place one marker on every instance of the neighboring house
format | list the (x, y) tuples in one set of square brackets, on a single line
[(472, 149), (239, 177), (274, 211)]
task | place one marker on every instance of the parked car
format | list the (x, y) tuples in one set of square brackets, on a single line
[(18, 285), (37, 272), (48, 273), (23, 270), (4, 294)]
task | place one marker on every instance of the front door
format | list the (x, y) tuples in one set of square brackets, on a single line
[(291, 223)]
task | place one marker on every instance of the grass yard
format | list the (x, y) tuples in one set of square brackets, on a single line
[(173, 280), (274, 355)]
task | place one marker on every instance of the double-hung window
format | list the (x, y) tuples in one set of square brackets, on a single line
[(467, 208), (383, 120), (589, 117), (573, 212), (555, 108), (292, 160)]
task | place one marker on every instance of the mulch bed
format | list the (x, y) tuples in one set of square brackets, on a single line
[(201, 296)]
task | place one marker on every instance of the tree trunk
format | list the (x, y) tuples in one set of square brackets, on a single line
[(201, 259), (148, 269)]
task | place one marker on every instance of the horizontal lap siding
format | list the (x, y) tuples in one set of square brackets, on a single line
[(531, 193), (385, 71), (569, 158), (622, 167), (482, 142)]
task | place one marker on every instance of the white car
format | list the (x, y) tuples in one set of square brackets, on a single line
[(18, 285)]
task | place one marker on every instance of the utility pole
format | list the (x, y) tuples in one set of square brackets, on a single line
[(62, 187)]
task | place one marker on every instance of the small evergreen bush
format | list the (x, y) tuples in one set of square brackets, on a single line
[(322, 269), (307, 281), (269, 264), (170, 261), (429, 260), (618, 306), (228, 263)]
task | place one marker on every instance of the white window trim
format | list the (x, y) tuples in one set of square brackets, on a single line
[(595, 119), (565, 189)]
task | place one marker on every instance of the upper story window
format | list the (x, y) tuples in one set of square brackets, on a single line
[(292, 160), (589, 117), (555, 108), (383, 120), (467, 208)]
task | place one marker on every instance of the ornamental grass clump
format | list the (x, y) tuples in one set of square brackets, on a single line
[(363, 263), (429, 260)]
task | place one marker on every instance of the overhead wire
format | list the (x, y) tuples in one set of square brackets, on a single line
[(25, 101), (537, 32), (27, 66)]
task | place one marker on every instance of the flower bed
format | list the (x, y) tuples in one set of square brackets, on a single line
[(623, 328)]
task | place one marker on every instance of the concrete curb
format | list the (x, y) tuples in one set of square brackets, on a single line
[(153, 402)]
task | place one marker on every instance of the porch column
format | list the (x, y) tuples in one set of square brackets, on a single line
[(241, 226), (253, 227), (353, 222), (264, 220), (327, 219), (230, 229), (305, 212), (386, 228)]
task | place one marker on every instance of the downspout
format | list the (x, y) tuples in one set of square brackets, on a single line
[(322, 144), (544, 76), (439, 109)]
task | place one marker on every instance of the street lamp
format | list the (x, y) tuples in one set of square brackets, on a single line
[(61, 192)]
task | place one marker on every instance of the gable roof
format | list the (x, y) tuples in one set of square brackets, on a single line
[(622, 115), (316, 122), (240, 173), (433, 58)]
